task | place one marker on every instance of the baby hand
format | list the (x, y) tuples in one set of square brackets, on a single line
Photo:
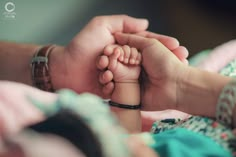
[(124, 63), (119, 61)]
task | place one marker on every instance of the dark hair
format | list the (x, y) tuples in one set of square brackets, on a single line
[(70, 126)]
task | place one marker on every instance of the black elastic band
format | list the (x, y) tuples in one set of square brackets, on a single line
[(131, 107)]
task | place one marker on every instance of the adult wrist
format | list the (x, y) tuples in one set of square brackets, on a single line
[(181, 80), (57, 66), (192, 88), (199, 91)]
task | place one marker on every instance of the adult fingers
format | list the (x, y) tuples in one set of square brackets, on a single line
[(105, 77), (170, 42), (122, 23), (181, 52), (149, 47), (108, 88), (136, 41), (185, 61), (102, 62)]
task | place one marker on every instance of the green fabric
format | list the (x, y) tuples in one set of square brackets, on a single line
[(183, 143), (199, 57)]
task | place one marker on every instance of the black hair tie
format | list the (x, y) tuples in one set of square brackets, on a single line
[(130, 107)]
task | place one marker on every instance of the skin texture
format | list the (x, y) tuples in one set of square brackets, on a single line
[(124, 64), (155, 81), (172, 84), (78, 72), (70, 66)]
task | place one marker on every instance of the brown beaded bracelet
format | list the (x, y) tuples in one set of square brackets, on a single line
[(40, 70)]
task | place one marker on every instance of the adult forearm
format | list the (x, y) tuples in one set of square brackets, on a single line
[(15, 61), (199, 91)]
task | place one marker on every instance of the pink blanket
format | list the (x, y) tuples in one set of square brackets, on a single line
[(219, 57), (15, 109)]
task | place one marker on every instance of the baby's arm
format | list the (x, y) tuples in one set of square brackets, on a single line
[(127, 89)]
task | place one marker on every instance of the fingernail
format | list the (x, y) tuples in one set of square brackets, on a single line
[(143, 19)]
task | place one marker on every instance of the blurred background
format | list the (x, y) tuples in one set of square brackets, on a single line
[(198, 24)]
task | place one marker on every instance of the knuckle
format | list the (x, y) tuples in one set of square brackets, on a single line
[(98, 20), (152, 40)]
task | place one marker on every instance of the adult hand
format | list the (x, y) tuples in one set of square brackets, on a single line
[(163, 71), (79, 71), (74, 66)]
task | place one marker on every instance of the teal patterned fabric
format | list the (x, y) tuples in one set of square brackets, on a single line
[(230, 69), (226, 104), (201, 125), (181, 142)]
